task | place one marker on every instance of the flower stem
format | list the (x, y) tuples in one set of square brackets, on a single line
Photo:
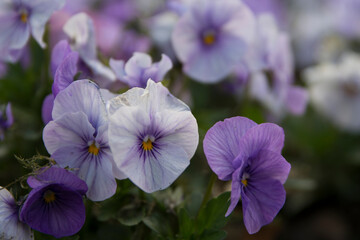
[(208, 192)]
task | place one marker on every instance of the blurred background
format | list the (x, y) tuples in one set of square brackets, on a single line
[(322, 143)]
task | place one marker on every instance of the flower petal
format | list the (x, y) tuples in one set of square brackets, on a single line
[(64, 217), (268, 164), (265, 136), (261, 201), (81, 96), (41, 11), (47, 108), (59, 176), (221, 144), (59, 52), (65, 73), (10, 225), (71, 129)]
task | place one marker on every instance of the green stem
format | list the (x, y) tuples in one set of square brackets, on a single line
[(208, 192)]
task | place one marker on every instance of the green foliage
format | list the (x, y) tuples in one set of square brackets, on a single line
[(209, 222)]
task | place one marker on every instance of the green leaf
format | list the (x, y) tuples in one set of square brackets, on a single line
[(186, 224), (213, 235), (131, 214), (212, 216), (160, 223)]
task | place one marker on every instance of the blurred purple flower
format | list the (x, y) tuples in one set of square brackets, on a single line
[(10, 225), (250, 155), (77, 137), (271, 67), (6, 120), (80, 30), (55, 205), (152, 135), (212, 37), (139, 68), (19, 19)]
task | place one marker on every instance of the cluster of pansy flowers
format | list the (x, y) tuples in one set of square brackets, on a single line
[(145, 134)]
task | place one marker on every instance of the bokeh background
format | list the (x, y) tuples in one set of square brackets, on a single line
[(323, 189)]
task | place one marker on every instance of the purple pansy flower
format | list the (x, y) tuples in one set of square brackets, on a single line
[(250, 155), (211, 38), (6, 121), (10, 225), (139, 68), (55, 205), (270, 62), (20, 18), (77, 137), (152, 135)]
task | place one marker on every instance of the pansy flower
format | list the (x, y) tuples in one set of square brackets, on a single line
[(212, 37), (77, 137), (139, 68), (152, 136), (81, 32), (55, 205), (19, 19), (335, 90), (249, 154), (10, 225)]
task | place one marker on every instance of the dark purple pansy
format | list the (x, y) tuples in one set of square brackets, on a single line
[(250, 155), (55, 205)]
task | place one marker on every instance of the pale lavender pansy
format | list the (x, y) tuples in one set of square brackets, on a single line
[(212, 37), (249, 154), (21, 18), (270, 62), (152, 135), (139, 68), (55, 204), (80, 30), (78, 137), (10, 225)]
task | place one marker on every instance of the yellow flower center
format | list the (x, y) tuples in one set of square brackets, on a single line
[(209, 38), (147, 146), (24, 17), (93, 149), (49, 196), (245, 182)]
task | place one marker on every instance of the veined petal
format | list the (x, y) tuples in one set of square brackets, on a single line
[(268, 164), (221, 144), (97, 172), (64, 217), (155, 171), (57, 175), (81, 96), (261, 200), (71, 129), (10, 225), (265, 136), (235, 191)]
